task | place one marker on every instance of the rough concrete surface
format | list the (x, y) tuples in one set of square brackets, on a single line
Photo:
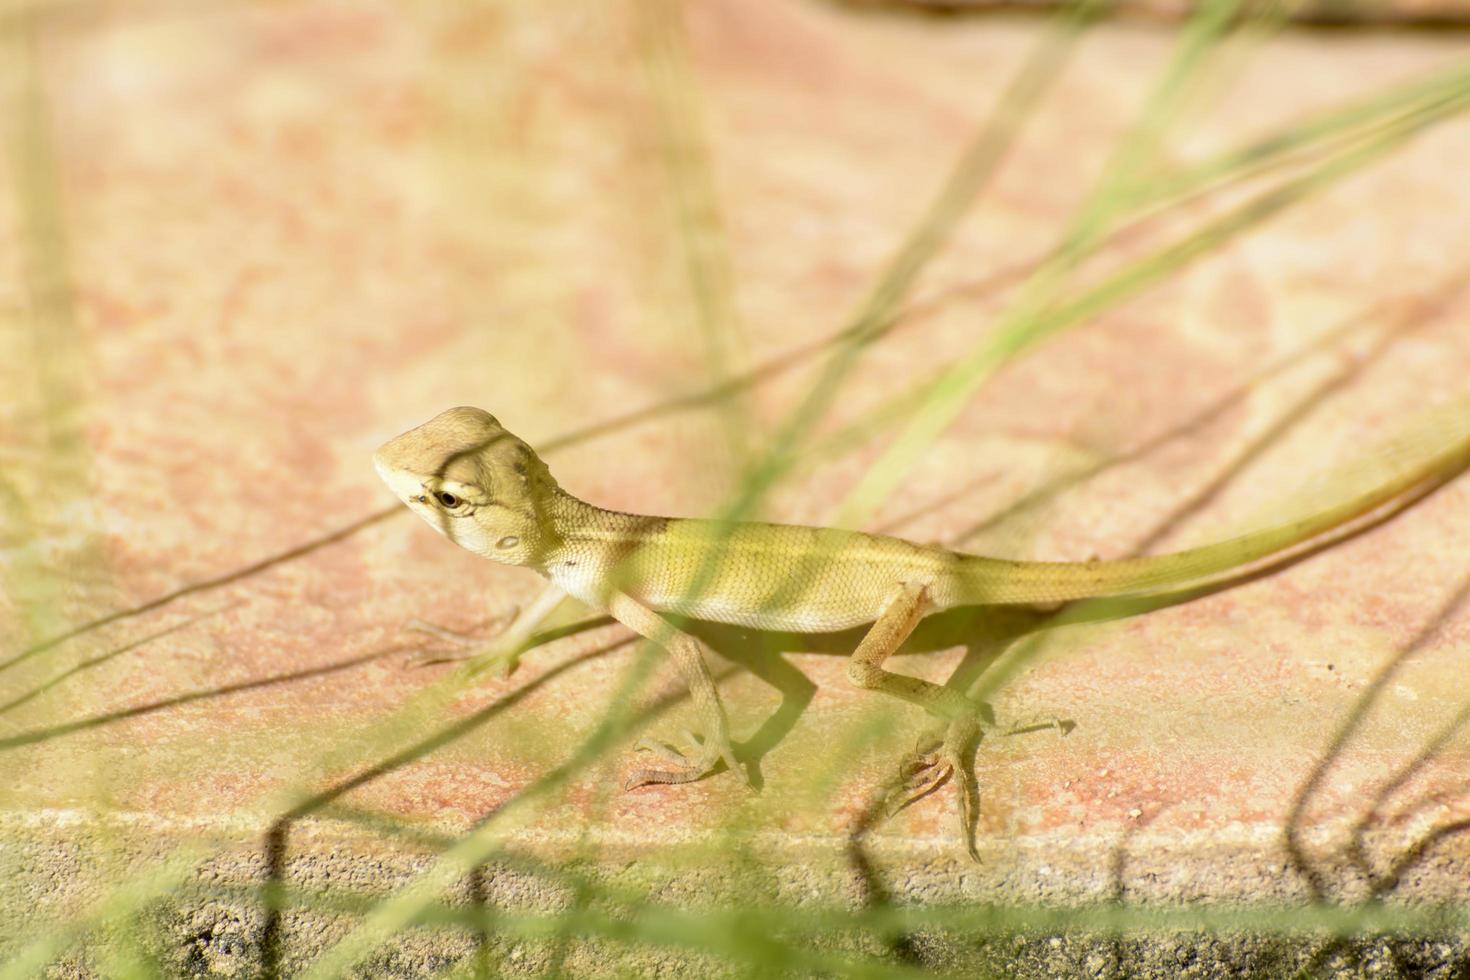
[(295, 230)]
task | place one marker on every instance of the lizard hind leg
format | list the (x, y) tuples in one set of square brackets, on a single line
[(919, 774), (932, 765)]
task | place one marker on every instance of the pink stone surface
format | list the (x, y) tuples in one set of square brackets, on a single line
[(297, 230)]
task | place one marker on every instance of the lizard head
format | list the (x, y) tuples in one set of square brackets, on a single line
[(474, 483)]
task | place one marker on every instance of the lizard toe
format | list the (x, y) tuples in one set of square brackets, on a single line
[(687, 773), (918, 786), (703, 757), (662, 749), (969, 808)]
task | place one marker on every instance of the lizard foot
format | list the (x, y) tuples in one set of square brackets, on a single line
[(948, 752), (499, 661), (920, 773), (937, 759), (702, 758)]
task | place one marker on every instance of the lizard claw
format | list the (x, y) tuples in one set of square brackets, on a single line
[(927, 777), (949, 752)]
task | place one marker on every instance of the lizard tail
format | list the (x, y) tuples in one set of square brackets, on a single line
[(985, 581)]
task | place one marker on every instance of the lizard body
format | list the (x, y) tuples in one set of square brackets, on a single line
[(489, 492)]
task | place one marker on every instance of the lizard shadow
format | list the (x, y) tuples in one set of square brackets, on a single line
[(983, 631)]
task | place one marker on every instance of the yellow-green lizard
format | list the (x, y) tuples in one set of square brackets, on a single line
[(488, 491)]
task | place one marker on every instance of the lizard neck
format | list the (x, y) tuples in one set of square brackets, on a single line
[(571, 521), (583, 535), (568, 516)]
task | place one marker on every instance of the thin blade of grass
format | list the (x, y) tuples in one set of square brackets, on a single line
[(673, 84)]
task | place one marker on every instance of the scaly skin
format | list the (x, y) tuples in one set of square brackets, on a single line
[(489, 492)]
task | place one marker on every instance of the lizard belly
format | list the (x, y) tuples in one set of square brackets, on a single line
[(588, 584), (811, 618)]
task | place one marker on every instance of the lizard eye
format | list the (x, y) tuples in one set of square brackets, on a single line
[(447, 499)]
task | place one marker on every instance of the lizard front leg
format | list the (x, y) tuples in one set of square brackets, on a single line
[(688, 655), (953, 756), (503, 654)]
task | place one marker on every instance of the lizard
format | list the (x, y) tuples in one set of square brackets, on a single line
[(489, 492)]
